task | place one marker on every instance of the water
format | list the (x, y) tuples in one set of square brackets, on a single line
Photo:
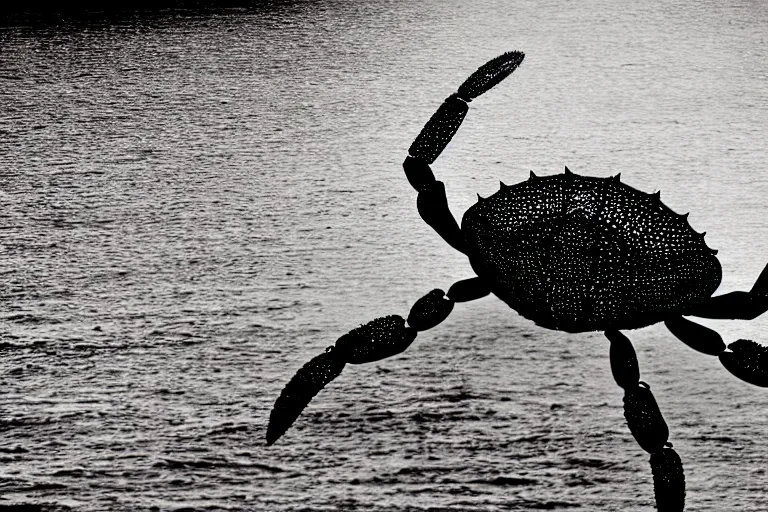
[(196, 203)]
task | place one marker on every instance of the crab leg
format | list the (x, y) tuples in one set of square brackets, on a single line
[(647, 425), (745, 359), (435, 136), (379, 339), (737, 305)]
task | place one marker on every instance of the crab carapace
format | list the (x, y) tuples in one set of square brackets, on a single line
[(571, 253)]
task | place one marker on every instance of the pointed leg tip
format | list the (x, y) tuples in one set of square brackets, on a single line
[(308, 381), (276, 428)]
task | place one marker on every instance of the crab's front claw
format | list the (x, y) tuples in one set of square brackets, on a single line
[(308, 381), (748, 361)]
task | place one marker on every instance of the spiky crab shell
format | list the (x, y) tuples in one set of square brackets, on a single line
[(578, 253)]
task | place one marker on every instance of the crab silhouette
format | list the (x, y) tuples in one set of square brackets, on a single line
[(571, 253)]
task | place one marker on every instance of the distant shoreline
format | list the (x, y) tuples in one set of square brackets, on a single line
[(86, 7)]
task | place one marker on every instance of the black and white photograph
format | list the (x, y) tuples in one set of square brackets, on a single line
[(387, 256)]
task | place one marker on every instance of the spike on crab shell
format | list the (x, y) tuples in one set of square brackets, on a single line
[(567, 171), (533, 176), (711, 250), (616, 178), (503, 186), (684, 216), (480, 198), (656, 196)]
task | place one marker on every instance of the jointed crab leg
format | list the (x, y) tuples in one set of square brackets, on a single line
[(647, 425), (381, 338), (737, 305), (433, 208), (388, 336), (745, 359), (435, 136), (696, 336)]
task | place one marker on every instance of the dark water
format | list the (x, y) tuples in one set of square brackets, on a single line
[(196, 203)]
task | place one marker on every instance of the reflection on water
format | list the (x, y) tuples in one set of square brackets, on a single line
[(195, 203)]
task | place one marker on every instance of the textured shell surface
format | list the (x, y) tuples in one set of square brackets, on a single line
[(579, 253)]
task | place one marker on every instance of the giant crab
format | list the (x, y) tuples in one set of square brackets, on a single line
[(571, 253)]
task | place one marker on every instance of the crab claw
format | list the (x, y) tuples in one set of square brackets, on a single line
[(308, 381), (490, 74), (748, 361)]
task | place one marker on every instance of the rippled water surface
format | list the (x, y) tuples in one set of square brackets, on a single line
[(194, 204)]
